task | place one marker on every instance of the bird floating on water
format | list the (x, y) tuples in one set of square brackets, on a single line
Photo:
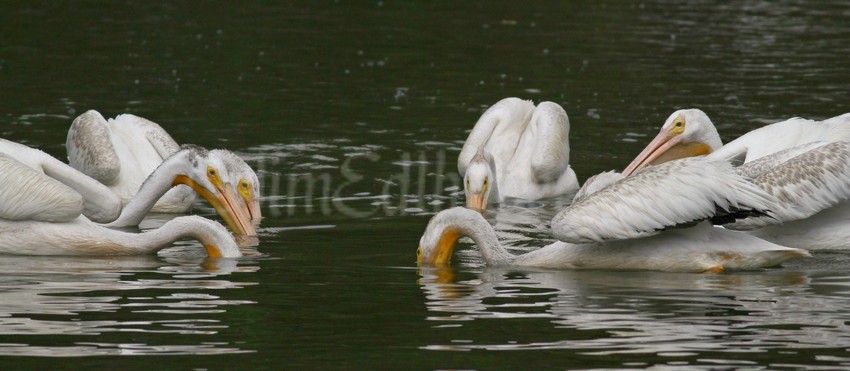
[(123, 152), (203, 171), (517, 150), (805, 164), (654, 220), (40, 215)]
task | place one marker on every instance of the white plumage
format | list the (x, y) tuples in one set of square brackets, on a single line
[(689, 132), (782, 135), (30, 195), (517, 150), (812, 190), (700, 248), (121, 153), (635, 223), (814, 177), (804, 164), (205, 172), (657, 198), (100, 204), (41, 216)]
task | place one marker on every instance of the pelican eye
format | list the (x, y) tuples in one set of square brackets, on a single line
[(245, 189), (419, 254), (212, 173), (678, 126)]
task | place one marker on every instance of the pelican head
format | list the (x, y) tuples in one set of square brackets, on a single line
[(480, 181), (245, 181), (686, 133), (441, 235), (207, 173)]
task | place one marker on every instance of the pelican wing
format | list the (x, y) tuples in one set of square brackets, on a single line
[(805, 180), (596, 183), (551, 155), (659, 197), (497, 131), (770, 139), (90, 148), (762, 165), (161, 141), (26, 194)]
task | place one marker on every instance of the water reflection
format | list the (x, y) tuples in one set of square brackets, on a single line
[(174, 293), (604, 313)]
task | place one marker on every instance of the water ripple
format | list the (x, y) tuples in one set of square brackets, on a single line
[(60, 296)]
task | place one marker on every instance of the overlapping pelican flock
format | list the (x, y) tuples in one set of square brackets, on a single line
[(686, 203), (425, 186)]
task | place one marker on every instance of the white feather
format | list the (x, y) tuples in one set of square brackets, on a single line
[(121, 153), (529, 146), (657, 198), (697, 249), (804, 180), (29, 195)]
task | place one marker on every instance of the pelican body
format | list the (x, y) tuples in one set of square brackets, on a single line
[(697, 249), (122, 152), (805, 164), (204, 172), (517, 150), (101, 204), (81, 236), (40, 215), (654, 220)]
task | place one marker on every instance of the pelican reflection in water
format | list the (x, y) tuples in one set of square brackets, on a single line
[(606, 312)]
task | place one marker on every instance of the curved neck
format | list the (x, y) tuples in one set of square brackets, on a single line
[(476, 227), (156, 185), (194, 227), (507, 114)]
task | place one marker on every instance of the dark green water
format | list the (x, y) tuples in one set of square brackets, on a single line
[(354, 115)]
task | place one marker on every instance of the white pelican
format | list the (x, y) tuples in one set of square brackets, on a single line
[(204, 172), (101, 204), (517, 150), (121, 153), (245, 181), (124, 151), (41, 216), (811, 181), (689, 132), (626, 225)]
